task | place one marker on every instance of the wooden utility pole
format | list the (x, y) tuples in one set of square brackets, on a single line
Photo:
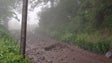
[(24, 28)]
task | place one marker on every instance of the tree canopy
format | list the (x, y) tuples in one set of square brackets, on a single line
[(79, 21), (5, 8)]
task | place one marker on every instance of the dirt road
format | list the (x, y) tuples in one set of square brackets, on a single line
[(42, 49)]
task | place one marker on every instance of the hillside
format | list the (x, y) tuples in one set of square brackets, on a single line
[(86, 23)]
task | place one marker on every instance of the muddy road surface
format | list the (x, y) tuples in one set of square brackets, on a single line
[(42, 49)]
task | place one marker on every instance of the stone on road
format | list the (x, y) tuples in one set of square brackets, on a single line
[(42, 49)]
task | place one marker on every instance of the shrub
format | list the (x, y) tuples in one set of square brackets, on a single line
[(68, 37), (9, 50), (88, 42)]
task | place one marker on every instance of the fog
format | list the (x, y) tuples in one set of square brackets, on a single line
[(32, 20), (14, 24)]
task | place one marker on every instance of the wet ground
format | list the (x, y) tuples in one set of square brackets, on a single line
[(43, 49)]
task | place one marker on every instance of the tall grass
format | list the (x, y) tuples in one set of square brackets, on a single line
[(94, 42), (9, 50)]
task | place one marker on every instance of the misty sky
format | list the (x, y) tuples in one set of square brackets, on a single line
[(33, 18)]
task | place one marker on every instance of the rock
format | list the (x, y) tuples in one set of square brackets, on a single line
[(41, 58), (109, 54), (73, 58), (49, 61)]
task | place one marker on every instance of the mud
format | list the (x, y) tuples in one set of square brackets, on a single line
[(42, 49)]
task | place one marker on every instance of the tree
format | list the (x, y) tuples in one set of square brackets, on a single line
[(6, 7), (24, 28), (90, 14)]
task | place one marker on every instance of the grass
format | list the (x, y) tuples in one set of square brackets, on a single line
[(94, 42), (9, 50)]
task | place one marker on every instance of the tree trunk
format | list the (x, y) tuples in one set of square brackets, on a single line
[(24, 28)]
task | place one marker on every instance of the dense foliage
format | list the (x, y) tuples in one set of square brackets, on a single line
[(9, 50), (86, 23), (6, 7)]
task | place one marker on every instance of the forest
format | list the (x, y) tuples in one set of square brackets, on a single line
[(86, 23), (83, 23)]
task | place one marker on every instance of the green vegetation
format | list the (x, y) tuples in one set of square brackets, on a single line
[(9, 50), (86, 23), (93, 43)]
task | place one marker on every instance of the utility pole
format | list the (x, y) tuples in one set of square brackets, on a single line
[(24, 28)]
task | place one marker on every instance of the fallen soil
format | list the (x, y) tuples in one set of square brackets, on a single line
[(42, 49)]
